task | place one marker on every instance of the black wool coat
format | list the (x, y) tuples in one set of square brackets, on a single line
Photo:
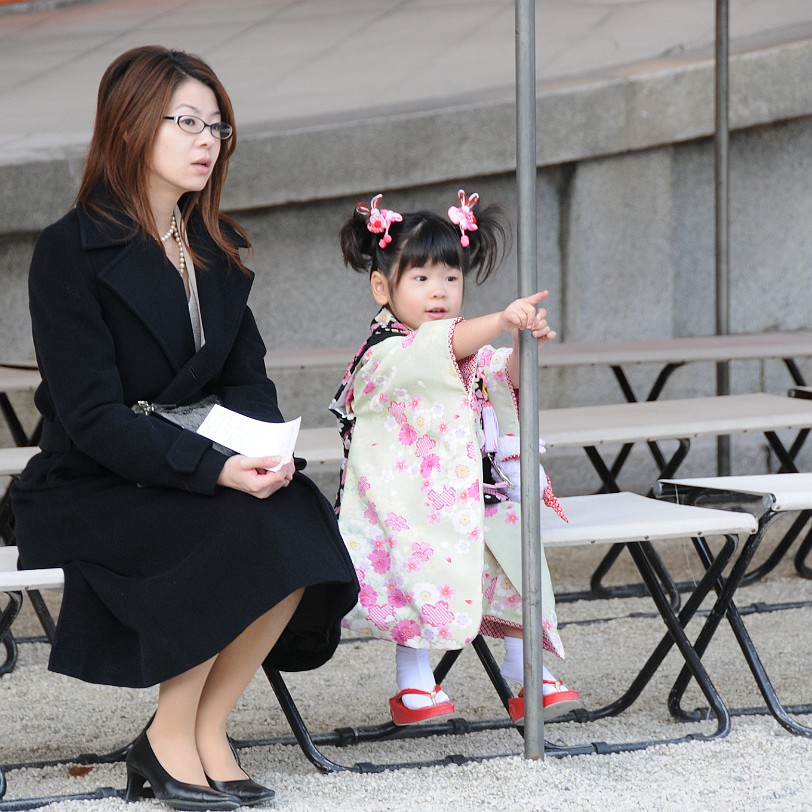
[(163, 566)]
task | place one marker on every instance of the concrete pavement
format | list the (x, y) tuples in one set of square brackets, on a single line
[(290, 64)]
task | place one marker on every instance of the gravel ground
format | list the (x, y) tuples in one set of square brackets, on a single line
[(759, 766)]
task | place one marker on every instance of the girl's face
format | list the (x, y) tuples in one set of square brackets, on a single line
[(428, 293), (182, 161)]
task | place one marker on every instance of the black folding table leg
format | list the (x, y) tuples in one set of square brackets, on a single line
[(801, 566), (298, 727), (7, 618), (784, 457), (641, 552), (780, 550), (15, 427), (596, 586), (725, 607), (343, 737)]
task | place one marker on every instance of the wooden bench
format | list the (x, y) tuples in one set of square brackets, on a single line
[(673, 353), (670, 353)]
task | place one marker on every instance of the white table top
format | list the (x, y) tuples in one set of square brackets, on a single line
[(602, 353), (672, 419), (789, 491), (18, 379), (619, 423), (579, 353), (593, 425), (679, 350), (13, 580), (607, 518), (13, 459)]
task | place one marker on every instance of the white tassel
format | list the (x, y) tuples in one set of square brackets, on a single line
[(490, 427)]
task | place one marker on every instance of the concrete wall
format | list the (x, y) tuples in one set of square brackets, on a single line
[(625, 201)]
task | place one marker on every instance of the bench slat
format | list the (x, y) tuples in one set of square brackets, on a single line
[(14, 580)]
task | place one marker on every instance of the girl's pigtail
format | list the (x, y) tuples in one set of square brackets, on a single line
[(366, 234), (357, 243), (490, 243)]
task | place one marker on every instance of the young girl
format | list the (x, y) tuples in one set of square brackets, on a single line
[(435, 541)]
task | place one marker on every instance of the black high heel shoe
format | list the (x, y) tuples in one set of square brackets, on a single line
[(246, 789), (143, 766)]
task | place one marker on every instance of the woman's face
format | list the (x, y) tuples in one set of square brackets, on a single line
[(182, 161)]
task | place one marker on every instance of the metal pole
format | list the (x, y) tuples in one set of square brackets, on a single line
[(528, 402), (722, 213)]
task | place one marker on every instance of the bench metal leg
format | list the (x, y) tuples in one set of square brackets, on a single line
[(676, 636), (598, 589), (725, 607), (645, 558), (18, 433), (7, 618), (801, 566), (83, 759), (9, 615), (781, 549), (343, 737)]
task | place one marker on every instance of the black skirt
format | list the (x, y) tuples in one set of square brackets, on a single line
[(158, 580)]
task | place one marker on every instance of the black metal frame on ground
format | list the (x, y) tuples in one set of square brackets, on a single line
[(725, 606), (309, 744), (644, 557), (7, 617)]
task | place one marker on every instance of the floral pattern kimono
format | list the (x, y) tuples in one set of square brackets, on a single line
[(436, 563)]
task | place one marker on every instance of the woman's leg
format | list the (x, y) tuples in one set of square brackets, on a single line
[(172, 731), (227, 679), (193, 707)]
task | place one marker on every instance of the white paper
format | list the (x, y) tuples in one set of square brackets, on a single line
[(253, 438)]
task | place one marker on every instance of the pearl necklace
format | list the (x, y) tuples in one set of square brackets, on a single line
[(174, 231)]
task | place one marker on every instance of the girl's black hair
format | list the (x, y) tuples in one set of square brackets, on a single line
[(423, 238)]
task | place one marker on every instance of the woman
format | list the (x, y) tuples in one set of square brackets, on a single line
[(183, 566)]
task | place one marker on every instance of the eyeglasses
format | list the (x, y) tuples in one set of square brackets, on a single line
[(192, 124)]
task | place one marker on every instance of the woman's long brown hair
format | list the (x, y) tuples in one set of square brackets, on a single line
[(133, 96)]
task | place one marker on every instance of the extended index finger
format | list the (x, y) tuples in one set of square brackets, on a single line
[(535, 298)]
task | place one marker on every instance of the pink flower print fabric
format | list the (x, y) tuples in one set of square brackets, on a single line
[(412, 514)]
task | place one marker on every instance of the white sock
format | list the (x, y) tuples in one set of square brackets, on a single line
[(413, 670), (513, 665)]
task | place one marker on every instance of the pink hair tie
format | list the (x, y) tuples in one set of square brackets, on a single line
[(379, 220), (462, 215)]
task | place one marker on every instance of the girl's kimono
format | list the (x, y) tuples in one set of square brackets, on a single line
[(437, 565)]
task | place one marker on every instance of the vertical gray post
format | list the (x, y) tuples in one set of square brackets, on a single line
[(528, 402), (722, 212)]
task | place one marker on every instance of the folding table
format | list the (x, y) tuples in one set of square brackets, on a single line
[(672, 353), (780, 493), (595, 519), (594, 427), (601, 518)]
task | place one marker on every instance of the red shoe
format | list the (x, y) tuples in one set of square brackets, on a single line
[(401, 715), (556, 703)]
